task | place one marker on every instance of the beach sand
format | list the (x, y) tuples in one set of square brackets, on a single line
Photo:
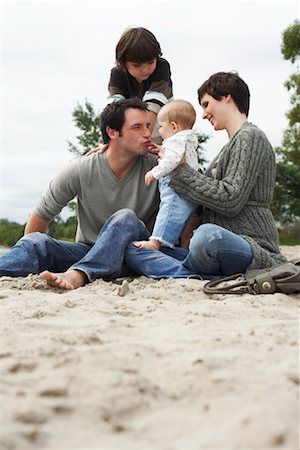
[(147, 365)]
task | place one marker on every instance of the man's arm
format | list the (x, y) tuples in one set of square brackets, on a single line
[(36, 223)]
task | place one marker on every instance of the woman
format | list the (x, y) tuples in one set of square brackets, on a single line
[(237, 230)]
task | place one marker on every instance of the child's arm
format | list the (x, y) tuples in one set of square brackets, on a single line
[(172, 156), (149, 178)]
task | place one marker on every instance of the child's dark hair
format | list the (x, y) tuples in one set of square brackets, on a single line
[(137, 45), (223, 83), (113, 115)]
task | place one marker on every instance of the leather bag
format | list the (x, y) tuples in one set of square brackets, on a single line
[(283, 278)]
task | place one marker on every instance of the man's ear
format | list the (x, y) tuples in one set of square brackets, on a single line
[(113, 134), (228, 98)]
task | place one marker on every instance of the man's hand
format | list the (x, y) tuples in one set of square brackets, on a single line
[(100, 149), (149, 178)]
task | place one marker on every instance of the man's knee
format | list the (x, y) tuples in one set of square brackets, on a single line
[(125, 215), (34, 238)]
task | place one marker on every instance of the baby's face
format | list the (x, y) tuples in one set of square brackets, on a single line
[(165, 128)]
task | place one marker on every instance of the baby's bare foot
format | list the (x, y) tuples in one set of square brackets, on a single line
[(72, 279), (152, 244)]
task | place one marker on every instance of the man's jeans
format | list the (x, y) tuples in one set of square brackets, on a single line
[(213, 252), (37, 252), (174, 212)]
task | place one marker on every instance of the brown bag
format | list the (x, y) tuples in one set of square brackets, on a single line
[(283, 278)]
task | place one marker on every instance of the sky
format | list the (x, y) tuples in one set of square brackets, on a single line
[(56, 54)]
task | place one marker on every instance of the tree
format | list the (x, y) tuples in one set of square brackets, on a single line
[(286, 200), (88, 121), (10, 232)]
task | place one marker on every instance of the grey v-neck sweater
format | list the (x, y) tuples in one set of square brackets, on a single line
[(100, 194), (236, 192)]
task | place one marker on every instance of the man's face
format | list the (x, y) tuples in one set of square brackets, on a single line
[(135, 132)]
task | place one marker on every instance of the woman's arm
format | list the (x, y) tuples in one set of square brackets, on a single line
[(240, 165)]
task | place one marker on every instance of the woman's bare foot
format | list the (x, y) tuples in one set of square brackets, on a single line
[(152, 244), (72, 279)]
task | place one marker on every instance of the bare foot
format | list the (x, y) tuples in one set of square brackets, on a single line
[(72, 279), (152, 244)]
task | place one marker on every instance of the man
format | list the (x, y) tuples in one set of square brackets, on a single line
[(104, 185)]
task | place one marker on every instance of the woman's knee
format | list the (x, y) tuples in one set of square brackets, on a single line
[(205, 236)]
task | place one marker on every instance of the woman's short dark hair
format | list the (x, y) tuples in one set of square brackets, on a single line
[(223, 83), (137, 45), (113, 115)]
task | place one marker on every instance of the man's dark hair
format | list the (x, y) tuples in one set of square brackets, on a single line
[(137, 45), (223, 83), (113, 115)]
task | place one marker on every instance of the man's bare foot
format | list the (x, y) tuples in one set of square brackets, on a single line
[(152, 244), (72, 279)]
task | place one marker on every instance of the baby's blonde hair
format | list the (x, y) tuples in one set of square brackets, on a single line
[(180, 111)]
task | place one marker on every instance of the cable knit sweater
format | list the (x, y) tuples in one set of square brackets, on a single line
[(236, 192)]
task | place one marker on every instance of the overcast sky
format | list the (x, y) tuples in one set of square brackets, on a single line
[(58, 53)]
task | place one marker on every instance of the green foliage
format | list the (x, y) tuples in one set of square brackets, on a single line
[(65, 231), (289, 233), (286, 200), (202, 138), (88, 121), (290, 47), (10, 232)]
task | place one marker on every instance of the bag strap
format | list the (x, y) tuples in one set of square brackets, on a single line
[(283, 278), (240, 286)]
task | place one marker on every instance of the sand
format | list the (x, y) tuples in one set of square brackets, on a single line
[(147, 365)]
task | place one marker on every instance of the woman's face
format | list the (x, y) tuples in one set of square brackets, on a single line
[(215, 111)]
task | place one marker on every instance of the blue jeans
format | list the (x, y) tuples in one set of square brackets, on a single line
[(213, 252), (37, 252), (174, 212)]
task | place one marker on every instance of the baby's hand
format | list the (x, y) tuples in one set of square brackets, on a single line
[(149, 178), (153, 148)]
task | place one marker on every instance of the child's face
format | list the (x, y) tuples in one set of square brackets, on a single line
[(141, 71), (165, 128)]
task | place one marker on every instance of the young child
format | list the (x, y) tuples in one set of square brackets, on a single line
[(141, 72), (176, 120)]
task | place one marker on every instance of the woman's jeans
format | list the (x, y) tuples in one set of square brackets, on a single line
[(213, 252)]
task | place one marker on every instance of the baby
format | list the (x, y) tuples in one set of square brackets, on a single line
[(175, 120)]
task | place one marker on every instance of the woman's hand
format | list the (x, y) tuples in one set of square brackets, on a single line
[(100, 149)]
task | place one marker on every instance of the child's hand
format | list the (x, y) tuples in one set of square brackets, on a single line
[(149, 178)]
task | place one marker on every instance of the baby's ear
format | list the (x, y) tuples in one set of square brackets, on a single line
[(174, 125)]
